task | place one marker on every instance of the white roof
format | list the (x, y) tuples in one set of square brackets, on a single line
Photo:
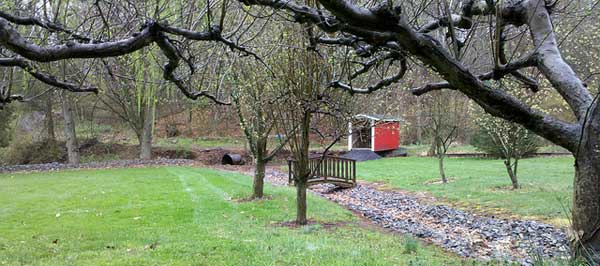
[(385, 118)]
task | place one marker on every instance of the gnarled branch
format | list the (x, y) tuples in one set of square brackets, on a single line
[(44, 77), (377, 86)]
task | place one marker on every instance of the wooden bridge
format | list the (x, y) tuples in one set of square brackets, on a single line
[(328, 169)]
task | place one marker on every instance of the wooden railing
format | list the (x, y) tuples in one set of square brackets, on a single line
[(328, 169)]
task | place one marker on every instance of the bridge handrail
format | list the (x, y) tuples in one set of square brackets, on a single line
[(328, 169)]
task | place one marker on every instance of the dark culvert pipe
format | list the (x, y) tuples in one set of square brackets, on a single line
[(232, 159)]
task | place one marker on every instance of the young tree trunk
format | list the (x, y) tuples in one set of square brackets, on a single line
[(301, 201), (441, 167), (302, 171), (70, 135), (259, 178), (586, 197), (50, 135), (215, 119), (146, 136), (419, 123), (512, 172), (261, 164), (190, 131)]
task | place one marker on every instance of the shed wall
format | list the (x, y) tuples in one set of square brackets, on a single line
[(387, 136)]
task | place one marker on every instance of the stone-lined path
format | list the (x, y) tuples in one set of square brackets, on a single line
[(464, 233)]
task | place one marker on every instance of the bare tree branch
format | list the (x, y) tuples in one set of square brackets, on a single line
[(151, 32), (44, 77), (50, 26), (377, 86)]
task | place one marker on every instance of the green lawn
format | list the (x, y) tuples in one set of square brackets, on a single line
[(181, 216), (483, 183)]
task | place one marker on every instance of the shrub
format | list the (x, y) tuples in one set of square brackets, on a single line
[(506, 140), (176, 153), (519, 141), (25, 151), (172, 131)]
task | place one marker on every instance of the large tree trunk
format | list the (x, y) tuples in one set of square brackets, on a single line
[(586, 198), (512, 172), (70, 135), (146, 136), (50, 135)]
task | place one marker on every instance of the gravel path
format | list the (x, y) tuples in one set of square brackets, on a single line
[(464, 233)]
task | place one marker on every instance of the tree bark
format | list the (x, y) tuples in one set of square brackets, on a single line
[(512, 172), (302, 171), (70, 135), (190, 130), (441, 167), (146, 136), (301, 201), (586, 198), (419, 123), (259, 178), (50, 135)]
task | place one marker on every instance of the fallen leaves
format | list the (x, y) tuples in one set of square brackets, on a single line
[(151, 246)]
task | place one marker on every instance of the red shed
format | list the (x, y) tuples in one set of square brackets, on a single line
[(374, 132)]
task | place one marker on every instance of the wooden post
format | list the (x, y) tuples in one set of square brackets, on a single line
[(354, 171), (290, 172)]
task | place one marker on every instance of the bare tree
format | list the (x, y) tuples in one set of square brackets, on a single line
[(255, 101), (305, 105), (131, 94), (446, 115), (378, 31), (303, 80)]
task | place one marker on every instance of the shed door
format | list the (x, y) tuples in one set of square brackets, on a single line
[(361, 138)]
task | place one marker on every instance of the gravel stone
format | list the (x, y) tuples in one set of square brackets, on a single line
[(466, 234)]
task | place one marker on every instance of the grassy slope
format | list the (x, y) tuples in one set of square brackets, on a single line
[(421, 150), (111, 217), (547, 182)]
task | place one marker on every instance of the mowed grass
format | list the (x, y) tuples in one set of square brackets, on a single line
[(181, 216), (483, 183)]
